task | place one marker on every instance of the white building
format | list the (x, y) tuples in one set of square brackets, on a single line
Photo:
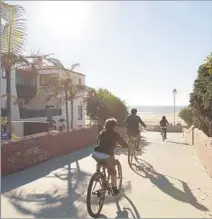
[(14, 106), (27, 87), (45, 77)]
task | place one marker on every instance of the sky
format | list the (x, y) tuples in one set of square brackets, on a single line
[(139, 50)]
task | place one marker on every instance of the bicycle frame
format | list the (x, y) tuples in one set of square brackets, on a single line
[(133, 139), (101, 168), (162, 129)]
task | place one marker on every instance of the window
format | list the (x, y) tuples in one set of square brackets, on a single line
[(26, 102), (47, 80), (3, 72), (80, 115), (80, 81)]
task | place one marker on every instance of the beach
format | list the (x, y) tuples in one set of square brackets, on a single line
[(151, 115), (155, 117)]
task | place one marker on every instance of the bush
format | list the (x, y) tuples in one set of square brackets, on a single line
[(3, 123), (102, 104), (186, 115), (201, 99)]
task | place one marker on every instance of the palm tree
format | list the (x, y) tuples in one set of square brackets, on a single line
[(13, 37), (64, 89)]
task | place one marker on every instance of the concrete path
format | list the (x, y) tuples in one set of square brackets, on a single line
[(167, 181)]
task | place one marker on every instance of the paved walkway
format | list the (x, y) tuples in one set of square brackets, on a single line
[(168, 181)]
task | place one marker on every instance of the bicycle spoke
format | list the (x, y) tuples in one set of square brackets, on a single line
[(95, 185)]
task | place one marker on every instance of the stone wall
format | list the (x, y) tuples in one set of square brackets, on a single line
[(34, 149), (203, 145), (189, 135)]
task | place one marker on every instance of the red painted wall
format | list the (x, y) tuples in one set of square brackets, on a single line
[(34, 149)]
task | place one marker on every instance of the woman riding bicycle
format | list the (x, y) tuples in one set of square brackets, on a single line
[(163, 125), (104, 151)]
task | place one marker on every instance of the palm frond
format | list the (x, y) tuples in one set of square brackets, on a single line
[(5, 95), (76, 91), (9, 60), (55, 62), (13, 35), (73, 66), (46, 58)]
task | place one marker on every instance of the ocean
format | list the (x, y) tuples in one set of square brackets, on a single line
[(157, 109)]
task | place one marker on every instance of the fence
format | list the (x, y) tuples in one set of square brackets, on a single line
[(203, 145)]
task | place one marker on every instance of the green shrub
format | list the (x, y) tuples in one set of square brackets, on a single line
[(186, 115), (102, 104), (3, 123), (201, 99)]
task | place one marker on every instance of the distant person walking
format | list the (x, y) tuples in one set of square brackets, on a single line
[(163, 125)]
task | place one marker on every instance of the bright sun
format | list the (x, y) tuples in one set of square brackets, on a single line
[(66, 16)]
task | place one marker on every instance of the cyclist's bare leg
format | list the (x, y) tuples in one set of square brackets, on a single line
[(111, 165)]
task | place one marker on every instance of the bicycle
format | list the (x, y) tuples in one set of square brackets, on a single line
[(163, 133), (104, 178), (134, 144)]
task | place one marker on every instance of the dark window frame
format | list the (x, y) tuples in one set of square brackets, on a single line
[(3, 73), (80, 81), (80, 112)]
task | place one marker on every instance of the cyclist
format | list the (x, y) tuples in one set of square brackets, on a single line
[(163, 124), (132, 124), (104, 151)]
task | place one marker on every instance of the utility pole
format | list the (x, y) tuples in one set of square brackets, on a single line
[(174, 93)]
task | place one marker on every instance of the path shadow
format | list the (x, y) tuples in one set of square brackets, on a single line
[(141, 167), (56, 202), (124, 212), (33, 173), (102, 216), (143, 146), (174, 142), (162, 182)]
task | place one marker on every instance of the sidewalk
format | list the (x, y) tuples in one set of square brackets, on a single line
[(173, 184)]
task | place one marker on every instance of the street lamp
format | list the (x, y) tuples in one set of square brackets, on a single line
[(174, 93)]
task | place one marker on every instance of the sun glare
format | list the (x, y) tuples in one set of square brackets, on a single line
[(66, 16)]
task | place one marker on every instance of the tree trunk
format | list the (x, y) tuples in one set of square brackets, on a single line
[(66, 105), (72, 114), (8, 91)]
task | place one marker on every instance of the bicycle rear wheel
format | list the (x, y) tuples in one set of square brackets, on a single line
[(99, 193), (163, 135), (131, 152)]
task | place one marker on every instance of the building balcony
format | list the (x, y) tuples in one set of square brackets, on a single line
[(26, 91), (25, 113)]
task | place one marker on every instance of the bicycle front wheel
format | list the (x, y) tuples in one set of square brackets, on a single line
[(119, 175), (96, 193)]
